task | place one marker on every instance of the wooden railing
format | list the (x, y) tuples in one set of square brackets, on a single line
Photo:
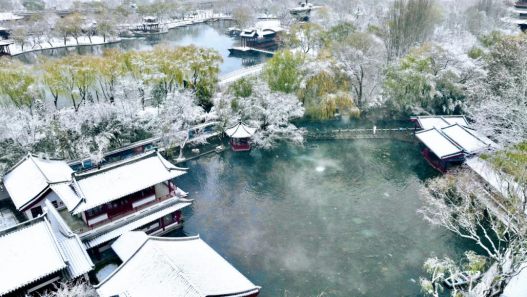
[(124, 214)]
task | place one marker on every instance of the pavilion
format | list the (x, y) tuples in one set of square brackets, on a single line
[(240, 135), (172, 266), (448, 145)]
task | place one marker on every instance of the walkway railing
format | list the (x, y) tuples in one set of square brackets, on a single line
[(406, 134)]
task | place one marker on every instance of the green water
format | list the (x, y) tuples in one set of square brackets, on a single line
[(337, 218)]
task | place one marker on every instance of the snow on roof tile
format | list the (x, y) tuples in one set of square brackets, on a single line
[(28, 252), (119, 179), (31, 176), (128, 243), (240, 130), (66, 194), (464, 138), (135, 223), (429, 122), (438, 143), (176, 267), (79, 262)]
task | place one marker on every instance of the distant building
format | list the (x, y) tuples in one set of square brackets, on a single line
[(101, 203), (38, 253), (520, 8), (157, 266)]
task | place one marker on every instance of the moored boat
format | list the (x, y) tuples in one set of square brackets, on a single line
[(462, 278)]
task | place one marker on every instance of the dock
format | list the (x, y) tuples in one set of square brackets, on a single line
[(249, 50)]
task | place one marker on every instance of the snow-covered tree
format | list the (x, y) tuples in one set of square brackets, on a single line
[(72, 289), (361, 57), (178, 113), (498, 102), (270, 112), (459, 203), (430, 79)]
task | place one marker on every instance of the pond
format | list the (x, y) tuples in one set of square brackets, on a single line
[(336, 217), (205, 35)]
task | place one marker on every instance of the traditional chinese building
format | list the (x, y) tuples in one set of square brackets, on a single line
[(150, 25), (100, 204), (259, 38), (240, 135), (157, 266), (37, 254), (448, 140)]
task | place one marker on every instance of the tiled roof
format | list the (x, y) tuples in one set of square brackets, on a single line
[(176, 267), (116, 180), (28, 252)]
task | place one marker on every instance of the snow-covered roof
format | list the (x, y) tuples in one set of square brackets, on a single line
[(116, 180), (240, 130), (79, 262), (9, 16), (464, 138), (438, 143), (176, 267), (28, 253), (248, 33), (32, 176), (429, 122), (134, 224), (128, 243)]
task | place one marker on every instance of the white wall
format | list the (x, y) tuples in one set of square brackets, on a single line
[(51, 196)]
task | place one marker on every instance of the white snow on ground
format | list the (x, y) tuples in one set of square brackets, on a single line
[(517, 287), (59, 42), (7, 219), (105, 271)]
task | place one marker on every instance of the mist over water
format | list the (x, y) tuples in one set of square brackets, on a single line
[(339, 217)]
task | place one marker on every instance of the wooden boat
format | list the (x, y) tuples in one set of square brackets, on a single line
[(462, 278)]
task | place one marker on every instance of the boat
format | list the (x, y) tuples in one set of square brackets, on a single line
[(462, 278)]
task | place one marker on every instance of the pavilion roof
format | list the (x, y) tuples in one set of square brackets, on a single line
[(438, 143), (429, 122), (465, 138), (32, 176), (174, 267), (240, 130)]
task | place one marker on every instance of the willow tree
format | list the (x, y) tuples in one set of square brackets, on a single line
[(202, 65), (410, 22), (17, 83), (51, 80), (74, 77), (109, 68), (283, 73), (324, 90)]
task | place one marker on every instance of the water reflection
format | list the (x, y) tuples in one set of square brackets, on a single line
[(209, 35), (351, 228)]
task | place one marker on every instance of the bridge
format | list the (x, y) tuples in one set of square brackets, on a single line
[(231, 77), (403, 134)]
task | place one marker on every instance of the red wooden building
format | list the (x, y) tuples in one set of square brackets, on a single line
[(240, 135)]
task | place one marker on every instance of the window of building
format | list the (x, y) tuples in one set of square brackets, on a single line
[(36, 211)]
